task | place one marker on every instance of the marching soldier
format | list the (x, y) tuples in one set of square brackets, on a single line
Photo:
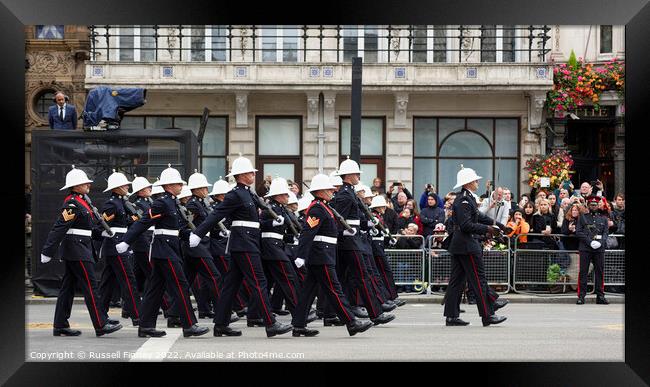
[(350, 247), (117, 266), (592, 231), (290, 247), (317, 251), (467, 254), (166, 258), (70, 239), (240, 204)]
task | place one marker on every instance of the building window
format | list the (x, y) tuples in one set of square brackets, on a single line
[(147, 44), (213, 149), (370, 44), (440, 44), (490, 146), (279, 147), (508, 44), (219, 43), (488, 43), (280, 43), (372, 146), (289, 43), (605, 39), (420, 38), (49, 32), (126, 43), (429, 44), (43, 102), (197, 43), (350, 42)]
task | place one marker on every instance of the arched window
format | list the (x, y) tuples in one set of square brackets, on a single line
[(43, 102)]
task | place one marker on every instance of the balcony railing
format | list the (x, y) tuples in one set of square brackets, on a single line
[(320, 43)]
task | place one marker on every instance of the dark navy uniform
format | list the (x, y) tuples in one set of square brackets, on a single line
[(317, 246), (385, 270), (70, 240), (199, 262), (467, 256), (166, 259), (350, 250), (118, 267), (244, 246), (381, 292), (591, 227)]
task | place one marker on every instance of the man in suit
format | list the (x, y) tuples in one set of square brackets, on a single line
[(62, 115)]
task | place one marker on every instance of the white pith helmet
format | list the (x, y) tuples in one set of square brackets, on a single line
[(348, 167), (139, 183), (241, 165), (197, 180), (305, 201), (156, 189), (278, 186), (378, 201), (360, 187), (185, 192), (169, 176), (116, 179), (320, 181), (464, 176), (75, 177), (293, 199), (335, 179), (220, 187)]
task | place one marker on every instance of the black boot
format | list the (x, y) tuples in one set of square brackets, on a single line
[(136, 322), (494, 319), (387, 307), (278, 329), (195, 330), (234, 318), (356, 326), (383, 319), (581, 301), (150, 332), (225, 331), (206, 315), (66, 332), (255, 322), (499, 303), (602, 301), (332, 321), (297, 332), (399, 302), (311, 317), (359, 312), (242, 312), (174, 322), (455, 322), (107, 328), (281, 312)]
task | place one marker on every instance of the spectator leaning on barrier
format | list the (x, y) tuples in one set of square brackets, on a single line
[(410, 240), (495, 207), (518, 226), (543, 224), (618, 213), (431, 215), (569, 226), (557, 211)]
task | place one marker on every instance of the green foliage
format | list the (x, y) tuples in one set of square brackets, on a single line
[(553, 273), (573, 62)]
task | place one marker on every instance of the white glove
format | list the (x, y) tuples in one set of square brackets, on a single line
[(45, 259), (279, 221), (122, 247), (350, 233), (595, 245), (299, 262), (224, 233), (194, 240), (371, 224), (374, 232)]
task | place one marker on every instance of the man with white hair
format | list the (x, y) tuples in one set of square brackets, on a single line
[(496, 207)]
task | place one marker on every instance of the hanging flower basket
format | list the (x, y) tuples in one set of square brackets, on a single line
[(556, 166)]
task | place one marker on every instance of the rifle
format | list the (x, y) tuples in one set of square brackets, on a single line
[(132, 208), (262, 204), (208, 206), (186, 214), (377, 223), (292, 223), (338, 216), (295, 221), (98, 216)]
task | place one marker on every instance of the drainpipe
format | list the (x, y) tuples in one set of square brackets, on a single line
[(321, 132)]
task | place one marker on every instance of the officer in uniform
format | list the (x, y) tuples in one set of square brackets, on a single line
[(118, 266), (219, 243), (317, 250), (350, 248), (70, 239), (467, 254), (592, 231), (290, 247), (166, 259), (241, 204)]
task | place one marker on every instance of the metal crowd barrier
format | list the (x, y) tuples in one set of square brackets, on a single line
[(531, 263), (407, 264), (496, 263)]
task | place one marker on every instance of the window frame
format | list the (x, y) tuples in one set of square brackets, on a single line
[(279, 43), (260, 160), (379, 159)]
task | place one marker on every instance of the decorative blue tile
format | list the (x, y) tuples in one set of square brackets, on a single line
[(472, 72), (168, 71), (328, 72), (541, 72), (98, 71), (400, 72), (241, 71), (314, 72)]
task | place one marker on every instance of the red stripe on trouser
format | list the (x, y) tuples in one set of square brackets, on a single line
[(376, 286), (165, 305), (225, 265), (128, 284), (302, 277), (180, 291), (248, 290), (293, 292), (92, 296), (257, 284), (216, 288), (335, 294), (478, 284), (388, 284), (364, 284)]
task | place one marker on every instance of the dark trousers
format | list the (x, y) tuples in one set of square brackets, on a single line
[(244, 267), (119, 269), (166, 273), (83, 274), (375, 277), (470, 268), (204, 270), (325, 278), (222, 263), (142, 270), (277, 298), (598, 260), (286, 281), (386, 274), (355, 266)]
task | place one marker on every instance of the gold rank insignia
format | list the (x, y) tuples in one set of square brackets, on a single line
[(68, 215), (108, 218), (114, 93), (312, 222), (135, 218)]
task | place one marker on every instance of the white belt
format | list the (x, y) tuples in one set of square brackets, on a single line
[(116, 230), (353, 222), (151, 228), (206, 235), (326, 239), (377, 238), (162, 231), (78, 231), (244, 223), (273, 235)]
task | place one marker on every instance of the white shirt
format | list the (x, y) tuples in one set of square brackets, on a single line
[(58, 110)]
